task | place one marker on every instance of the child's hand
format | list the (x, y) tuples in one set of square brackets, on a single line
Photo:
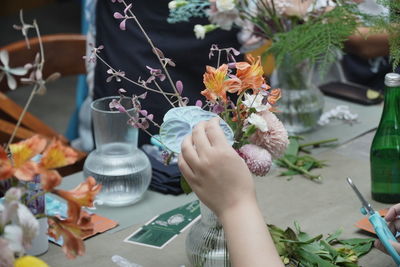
[(214, 170), (392, 217)]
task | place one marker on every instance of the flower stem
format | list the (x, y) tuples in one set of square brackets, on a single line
[(301, 170), (318, 143)]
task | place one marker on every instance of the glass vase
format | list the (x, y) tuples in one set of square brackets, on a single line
[(205, 243), (302, 102), (123, 170)]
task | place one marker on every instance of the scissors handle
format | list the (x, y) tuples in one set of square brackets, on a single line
[(384, 235)]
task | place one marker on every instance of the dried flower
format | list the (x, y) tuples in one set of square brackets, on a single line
[(5, 70), (115, 74), (275, 139), (225, 5), (223, 15), (258, 159), (176, 4), (124, 17)]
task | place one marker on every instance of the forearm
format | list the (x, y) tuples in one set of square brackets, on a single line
[(249, 242)]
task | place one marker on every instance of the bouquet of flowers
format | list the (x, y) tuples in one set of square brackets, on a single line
[(305, 29), (235, 91), (34, 162)]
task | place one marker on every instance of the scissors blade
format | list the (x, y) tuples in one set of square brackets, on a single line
[(364, 202)]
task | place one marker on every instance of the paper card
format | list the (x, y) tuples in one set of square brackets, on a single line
[(162, 229), (55, 207), (365, 225)]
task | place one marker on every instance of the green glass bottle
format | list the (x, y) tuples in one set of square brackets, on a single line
[(385, 148)]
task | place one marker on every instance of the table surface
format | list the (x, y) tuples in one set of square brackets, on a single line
[(317, 207)]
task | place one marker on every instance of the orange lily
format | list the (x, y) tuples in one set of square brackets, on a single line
[(21, 165), (274, 96), (83, 195), (56, 155), (72, 244), (217, 83), (251, 74)]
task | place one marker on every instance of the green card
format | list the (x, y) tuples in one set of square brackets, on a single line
[(162, 229)]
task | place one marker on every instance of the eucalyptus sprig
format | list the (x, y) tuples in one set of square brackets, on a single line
[(297, 163), (298, 248)]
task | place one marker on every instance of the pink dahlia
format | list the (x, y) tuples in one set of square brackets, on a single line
[(257, 159), (275, 139)]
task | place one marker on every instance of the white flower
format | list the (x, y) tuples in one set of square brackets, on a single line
[(175, 4), (255, 101), (172, 5), (13, 234), (225, 5), (258, 121), (29, 225), (199, 31)]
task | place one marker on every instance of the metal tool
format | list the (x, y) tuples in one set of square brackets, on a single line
[(379, 224)]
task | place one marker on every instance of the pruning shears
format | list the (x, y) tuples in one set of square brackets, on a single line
[(379, 224)]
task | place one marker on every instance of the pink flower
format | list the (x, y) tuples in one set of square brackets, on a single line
[(275, 139), (258, 159)]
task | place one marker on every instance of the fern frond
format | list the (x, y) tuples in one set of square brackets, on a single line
[(194, 8)]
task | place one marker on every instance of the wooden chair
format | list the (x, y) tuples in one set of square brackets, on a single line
[(63, 54)]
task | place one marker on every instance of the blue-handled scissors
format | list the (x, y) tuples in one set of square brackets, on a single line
[(379, 224)]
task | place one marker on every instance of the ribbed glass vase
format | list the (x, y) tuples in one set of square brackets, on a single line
[(205, 243)]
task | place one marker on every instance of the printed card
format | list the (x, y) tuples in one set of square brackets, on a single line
[(162, 229)]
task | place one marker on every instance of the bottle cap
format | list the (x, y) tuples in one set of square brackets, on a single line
[(392, 79)]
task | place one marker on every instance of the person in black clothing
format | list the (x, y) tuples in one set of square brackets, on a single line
[(129, 51)]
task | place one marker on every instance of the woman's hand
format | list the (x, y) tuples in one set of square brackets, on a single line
[(214, 170), (392, 217)]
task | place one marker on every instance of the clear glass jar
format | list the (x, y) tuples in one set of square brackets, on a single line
[(123, 170), (205, 243), (302, 102)]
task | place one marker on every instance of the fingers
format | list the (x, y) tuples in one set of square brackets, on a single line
[(394, 226), (214, 133), (200, 139), (393, 213), (186, 171), (378, 244), (189, 153)]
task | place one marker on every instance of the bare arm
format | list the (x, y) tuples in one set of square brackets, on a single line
[(221, 179)]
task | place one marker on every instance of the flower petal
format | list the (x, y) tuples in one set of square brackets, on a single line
[(49, 179), (4, 57), (11, 82), (57, 155), (19, 71), (27, 171), (25, 150), (6, 169), (122, 25)]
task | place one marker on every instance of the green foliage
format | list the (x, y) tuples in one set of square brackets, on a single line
[(317, 40), (301, 164), (194, 8), (298, 248), (391, 26)]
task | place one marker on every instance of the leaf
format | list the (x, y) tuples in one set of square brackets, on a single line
[(355, 241), (329, 248), (363, 249), (185, 186), (293, 147), (313, 258), (334, 236)]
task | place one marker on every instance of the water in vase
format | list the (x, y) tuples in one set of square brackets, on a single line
[(123, 171)]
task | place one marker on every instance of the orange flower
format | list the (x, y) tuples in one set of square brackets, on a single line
[(82, 195), (21, 165), (56, 155), (72, 244), (274, 96), (217, 83), (251, 74)]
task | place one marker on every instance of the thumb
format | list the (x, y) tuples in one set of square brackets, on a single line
[(379, 245)]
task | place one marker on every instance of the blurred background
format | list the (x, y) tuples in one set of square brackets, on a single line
[(53, 16)]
